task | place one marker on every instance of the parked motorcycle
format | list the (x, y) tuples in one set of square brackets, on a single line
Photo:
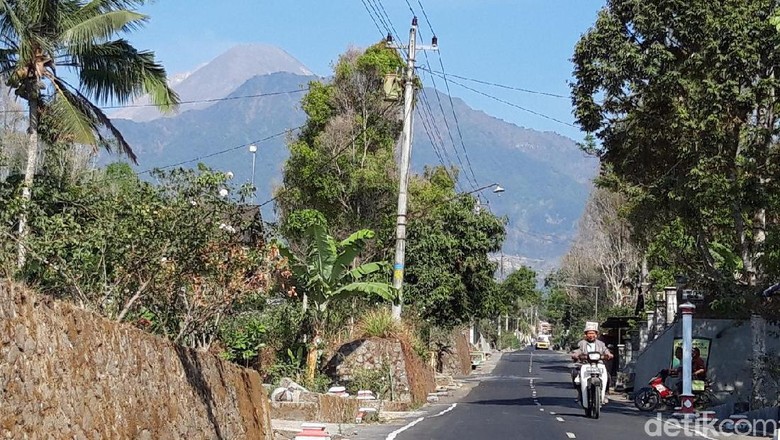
[(592, 380), (650, 398)]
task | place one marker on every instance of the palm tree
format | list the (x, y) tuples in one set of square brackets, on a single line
[(39, 36), (325, 276)]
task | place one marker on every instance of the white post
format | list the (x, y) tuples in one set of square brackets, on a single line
[(253, 150), (671, 304), (403, 174), (686, 399)]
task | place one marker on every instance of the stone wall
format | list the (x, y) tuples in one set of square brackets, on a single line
[(456, 361), (412, 380), (68, 373)]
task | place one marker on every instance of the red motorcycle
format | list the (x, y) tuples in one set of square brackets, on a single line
[(650, 398)]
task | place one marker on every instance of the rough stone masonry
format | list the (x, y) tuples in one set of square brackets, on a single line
[(68, 373)]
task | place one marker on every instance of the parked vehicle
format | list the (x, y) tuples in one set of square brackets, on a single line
[(650, 398), (592, 379)]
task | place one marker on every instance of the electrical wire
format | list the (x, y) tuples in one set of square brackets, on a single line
[(503, 86), (289, 130), (379, 28), (542, 115), (194, 101)]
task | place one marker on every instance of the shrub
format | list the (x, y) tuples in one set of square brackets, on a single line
[(374, 379), (509, 340), (243, 338)]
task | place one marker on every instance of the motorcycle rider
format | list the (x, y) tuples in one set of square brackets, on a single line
[(588, 344)]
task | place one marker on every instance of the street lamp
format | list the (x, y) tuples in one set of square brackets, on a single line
[(253, 150)]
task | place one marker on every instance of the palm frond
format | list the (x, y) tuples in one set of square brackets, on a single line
[(98, 28), (97, 118), (117, 71), (64, 115)]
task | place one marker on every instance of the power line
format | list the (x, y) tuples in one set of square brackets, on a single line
[(425, 15), (379, 28), (289, 130), (503, 86), (194, 101), (227, 98), (511, 103), (452, 106)]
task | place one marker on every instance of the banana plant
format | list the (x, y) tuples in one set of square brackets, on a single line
[(326, 275)]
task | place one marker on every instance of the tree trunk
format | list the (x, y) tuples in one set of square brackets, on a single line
[(32, 160)]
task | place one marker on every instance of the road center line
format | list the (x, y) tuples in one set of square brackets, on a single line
[(570, 435), (560, 419)]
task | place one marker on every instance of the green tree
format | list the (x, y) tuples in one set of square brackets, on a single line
[(175, 258), (449, 277), (342, 163), (682, 97), (41, 40), (325, 275)]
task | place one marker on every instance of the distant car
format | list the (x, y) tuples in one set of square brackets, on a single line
[(542, 345)]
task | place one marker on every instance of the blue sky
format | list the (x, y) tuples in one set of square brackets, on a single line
[(520, 43)]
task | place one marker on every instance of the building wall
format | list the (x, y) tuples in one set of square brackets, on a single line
[(68, 373), (730, 361)]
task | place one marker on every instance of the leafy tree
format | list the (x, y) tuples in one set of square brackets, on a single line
[(449, 276), (326, 275), (38, 37), (517, 292), (174, 258), (342, 163), (682, 97)]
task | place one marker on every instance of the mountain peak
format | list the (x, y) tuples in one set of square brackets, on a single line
[(220, 77)]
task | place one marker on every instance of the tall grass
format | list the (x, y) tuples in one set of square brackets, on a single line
[(379, 323)]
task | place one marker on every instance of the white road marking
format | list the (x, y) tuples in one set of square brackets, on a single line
[(570, 435), (446, 410), (553, 413), (395, 433), (541, 409), (560, 419)]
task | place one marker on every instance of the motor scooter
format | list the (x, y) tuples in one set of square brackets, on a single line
[(592, 380), (650, 398)]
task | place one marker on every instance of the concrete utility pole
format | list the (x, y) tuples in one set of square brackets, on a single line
[(686, 399), (403, 170)]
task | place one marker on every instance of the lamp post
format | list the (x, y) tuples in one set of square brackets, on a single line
[(253, 150)]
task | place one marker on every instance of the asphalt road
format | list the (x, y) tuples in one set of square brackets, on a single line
[(529, 396)]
